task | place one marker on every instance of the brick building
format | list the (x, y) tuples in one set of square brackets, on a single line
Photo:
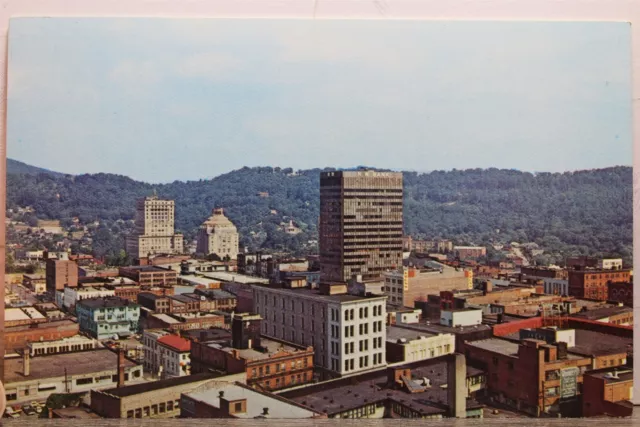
[(607, 392), (469, 252), (17, 337), (621, 292), (150, 275), (594, 284), (268, 363), (131, 292), (176, 322), (533, 376), (156, 303), (61, 273)]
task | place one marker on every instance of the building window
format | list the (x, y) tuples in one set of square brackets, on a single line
[(238, 407)]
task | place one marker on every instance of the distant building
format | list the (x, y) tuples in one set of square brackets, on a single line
[(460, 317), (360, 224), (155, 233), (329, 320), (621, 292), (71, 296), (106, 318), (218, 236), (406, 286), (150, 275), (185, 321), (610, 264), (616, 315), (464, 253), (61, 273), (36, 282), (593, 284)]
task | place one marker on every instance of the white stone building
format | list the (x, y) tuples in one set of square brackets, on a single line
[(347, 332), (461, 317), (71, 296), (218, 235)]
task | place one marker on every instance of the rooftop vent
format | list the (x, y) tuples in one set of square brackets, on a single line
[(221, 395)]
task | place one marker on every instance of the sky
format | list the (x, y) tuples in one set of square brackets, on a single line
[(162, 100)]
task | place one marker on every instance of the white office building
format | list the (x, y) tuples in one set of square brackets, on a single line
[(348, 332)]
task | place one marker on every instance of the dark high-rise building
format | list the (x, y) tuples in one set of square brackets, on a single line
[(360, 224)]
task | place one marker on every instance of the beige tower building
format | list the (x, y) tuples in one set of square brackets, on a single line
[(218, 235), (155, 232), (360, 224)]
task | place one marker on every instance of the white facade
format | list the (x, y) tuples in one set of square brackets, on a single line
[(556, 286), (218, 235), (427, 347), (348, 333), (174, 363), (407, 317), (65, 345), (71, 296), (155, 232), (610, 264), (152, 359), (456, 318)]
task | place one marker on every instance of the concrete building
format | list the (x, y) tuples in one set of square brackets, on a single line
[(28, 380), (109, 317), (236, 400), (360, 224), (71, 296), (218, 236), (610, 264), (607, 392), (407, 346), (406, 286), (430, 389), (556, 286), (533, 377), (593, 283), (154, 233), (157, 399), (269, 364), (61, 273), (461, 317), (347, 332), (64, 345), (150, 275)]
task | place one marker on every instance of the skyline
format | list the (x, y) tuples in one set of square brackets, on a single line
[(344, 88)]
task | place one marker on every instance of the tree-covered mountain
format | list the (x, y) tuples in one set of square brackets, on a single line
[(585, 212), (15, 166)]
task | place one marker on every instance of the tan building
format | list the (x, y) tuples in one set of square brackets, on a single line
[(218, 235), (405, 286), (61, 273), (360, 224), (155, 233)]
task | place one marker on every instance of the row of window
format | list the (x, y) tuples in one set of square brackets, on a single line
[(155, 409), (278, 367)]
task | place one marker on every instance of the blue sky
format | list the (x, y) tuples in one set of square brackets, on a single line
[(161, 100)]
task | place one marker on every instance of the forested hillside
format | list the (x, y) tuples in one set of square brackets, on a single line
[(586, 212)]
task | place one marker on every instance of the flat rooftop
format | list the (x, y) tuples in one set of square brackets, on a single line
[(437, 328), (76, 412), (395, 333), (106, 302), (603, 312), (132, 390), (148, 269), (53, 366), (166, 318), (43, 325), (590, 343), (224, 276), (496, 345), (204, 335), (256, 401), (17, 314), (271, 348), (314, 293), (622, 374), (352, 392)]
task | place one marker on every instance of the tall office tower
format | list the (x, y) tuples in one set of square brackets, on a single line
[(155, 233), (360, 224)]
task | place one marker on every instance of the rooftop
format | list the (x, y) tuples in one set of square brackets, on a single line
[(437, 328), (166, 319), (314, 293), (212, 294), (256, 401), (394, 333), (54, 366), (175, 342), (132, 390), (75, 412), (224, 276), (497, 345), (24, 313), (148, 269), (601, 313), (348, 393), (612, 375), (589, 343), (107, 302), (269, 348), (205, 335), (43, 325)]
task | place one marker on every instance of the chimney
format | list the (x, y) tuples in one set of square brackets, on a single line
[(265, 411), (221, 395), (121, 365), (26, 362), (457, 385)]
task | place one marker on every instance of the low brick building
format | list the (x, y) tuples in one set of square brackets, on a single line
[(532, 376), (175, 322), (17, 337), (150, 275), (607, 392), (269, 363)]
